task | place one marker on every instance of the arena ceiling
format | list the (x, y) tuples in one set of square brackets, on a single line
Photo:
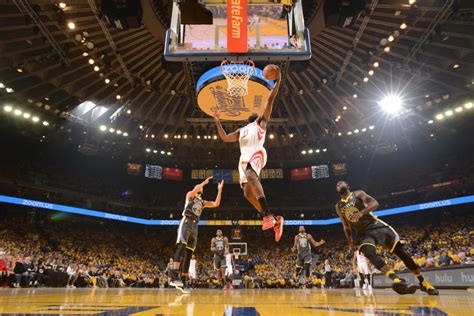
[(47, 65)]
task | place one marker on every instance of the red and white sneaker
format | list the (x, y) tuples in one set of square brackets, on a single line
[(278, 228), (268, 222)]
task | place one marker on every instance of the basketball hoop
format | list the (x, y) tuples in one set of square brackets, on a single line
[(237, 74)]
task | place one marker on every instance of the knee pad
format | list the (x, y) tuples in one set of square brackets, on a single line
[(307, 269), (179, 251), (399, 250), (370, 253)]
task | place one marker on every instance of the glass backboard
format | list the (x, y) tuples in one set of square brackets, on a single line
[(272, 32)]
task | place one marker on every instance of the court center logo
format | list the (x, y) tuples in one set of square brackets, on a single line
[(212, 95)]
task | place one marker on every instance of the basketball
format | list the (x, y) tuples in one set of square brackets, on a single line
[(270, 72)]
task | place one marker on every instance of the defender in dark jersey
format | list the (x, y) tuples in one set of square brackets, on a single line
[(220, 248), (303, 242), (188, 229), (355, 210)]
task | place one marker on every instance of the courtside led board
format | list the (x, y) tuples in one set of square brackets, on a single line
[(241, 29)]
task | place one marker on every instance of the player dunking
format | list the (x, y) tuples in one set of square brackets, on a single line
[(220, 247), (355, 210), (188, 229), (303, 242), (253, 158)]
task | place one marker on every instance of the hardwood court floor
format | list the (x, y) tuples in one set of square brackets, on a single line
[(111, 302)]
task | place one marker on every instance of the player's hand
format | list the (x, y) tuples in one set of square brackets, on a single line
[(220, 185), (207, 181), (293, 249), (356, 217), (322, 241), (217, 115)]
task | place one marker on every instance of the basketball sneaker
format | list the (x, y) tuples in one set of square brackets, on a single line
[(402, 287), (278, 228), (268, 222), (429, 289)]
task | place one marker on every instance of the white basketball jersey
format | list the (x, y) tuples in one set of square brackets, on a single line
[(192, 265), (251, 137), (361, 259), (228, 260)]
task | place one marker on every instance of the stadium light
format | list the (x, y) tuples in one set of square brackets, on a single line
[(303, 152), (35, 119), (403, 26), (458, 109), (356, 131), (439, 117), (376, 64), (448, 112), (325, 149), (169, 153), (7, 108), (310, 151), (430, 122), (391, 104), (148, 150), (318, 151), (166, 136), (468, 105), (125, 134), (103, 128), (371, 127), (17, 112), (26, 115), (71, 25), (46, 123), (162, 152), (111, 130)]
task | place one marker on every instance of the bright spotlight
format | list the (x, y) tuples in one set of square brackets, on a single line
[(439, 116), (387, 49), (166, 136), (366, 79), (26, 115), (468, 105), (35, 119), (7, 108), (403, 26), (430, 122), (356, 131), (310, 151), (371, 72), (325, 149), (317, 151), (303, 152), (148, 150), (71, 25), (371, 127), (391, 104), (458, 109), (118, 96), (96, 68), (169, 153), (349, 133), (17, 112), (107, 80), (103, 128), (62, 5), (162, 152), (448, 113), (376, 64), (111, 130), (119, 132), (125, 134), (271, 136), (46, 123), (91, 61)]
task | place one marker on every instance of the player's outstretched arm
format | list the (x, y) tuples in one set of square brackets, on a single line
[(347, 229), (227, 138), (198, 188), (370, 203), (213, 244), (217, 201), (267, 111), (293, 249), (316, 243)]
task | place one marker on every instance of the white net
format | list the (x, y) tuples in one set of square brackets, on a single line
[(237, 74)]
